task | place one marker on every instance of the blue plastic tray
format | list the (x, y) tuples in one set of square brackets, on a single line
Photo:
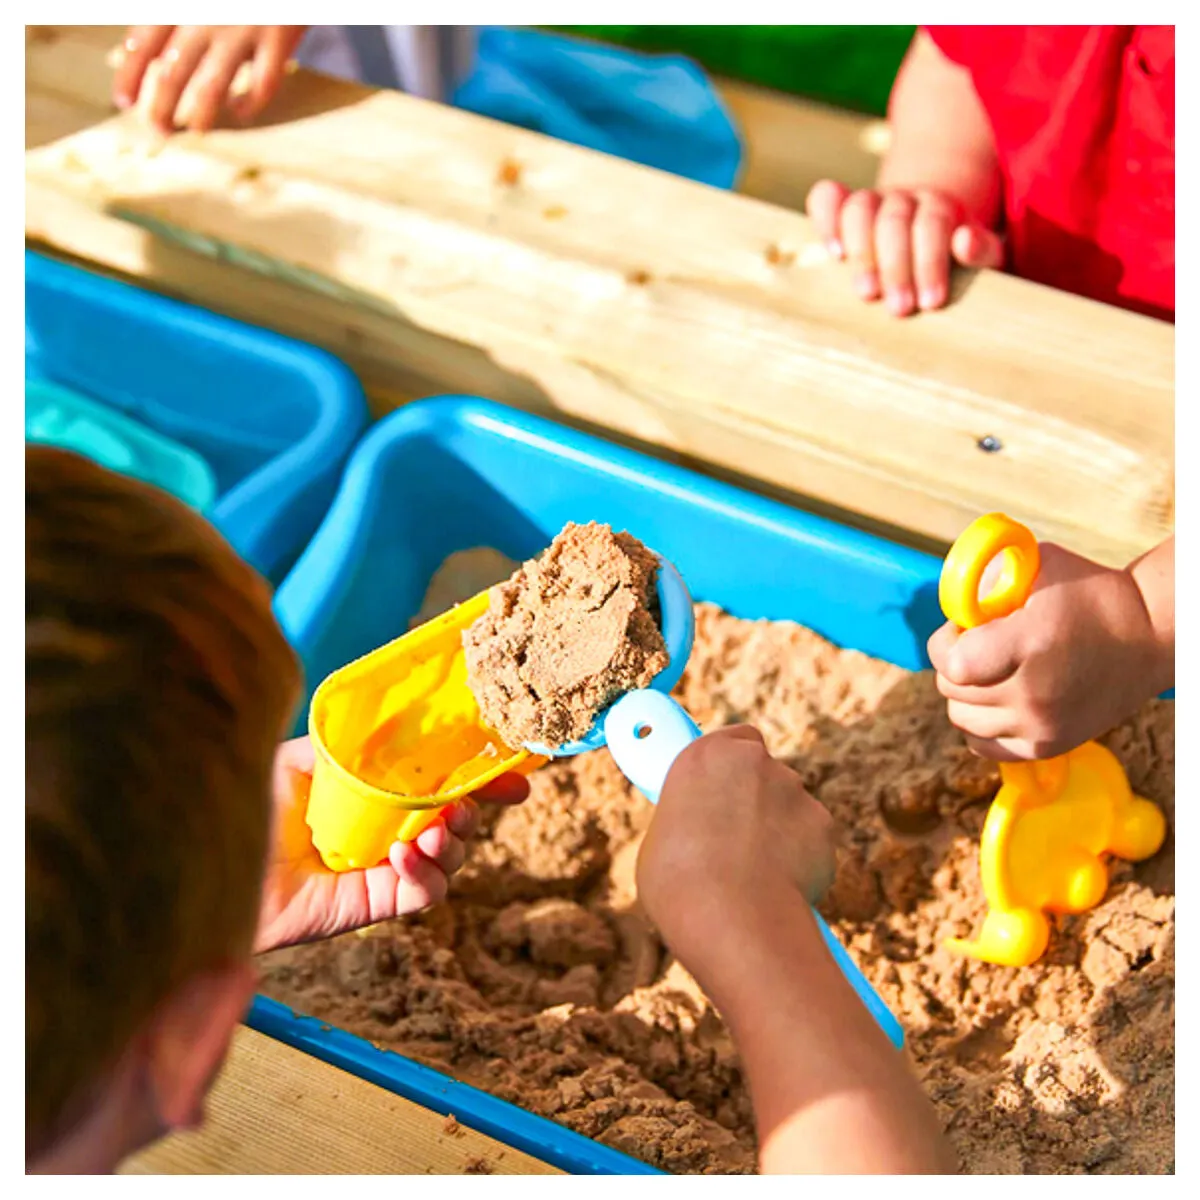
[(454, 473), (58, 416), (275, 419)]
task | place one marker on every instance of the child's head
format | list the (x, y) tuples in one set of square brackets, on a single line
[(157, 686)]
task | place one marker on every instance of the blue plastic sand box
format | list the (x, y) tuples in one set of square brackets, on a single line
[(58, 417)]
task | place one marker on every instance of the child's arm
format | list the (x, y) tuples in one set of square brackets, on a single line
[(303, 900), (1090, 646), (830, 1094), (1154, 574), (938, 195), (183, 75), (736, 849)]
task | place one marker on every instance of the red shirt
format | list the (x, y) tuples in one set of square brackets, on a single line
[(1084, 122)]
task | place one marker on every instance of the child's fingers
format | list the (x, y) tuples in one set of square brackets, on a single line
[(141, 46), (984, 724), (169, 75), (214, 78), (509, 788), (969, 693), (976, 247), (275, 47), (291, 786), (297, 753), (857, 232), (433, 839), (973, 658), (737, 733), (983, 657), (1004, 749), (462, 819), (893, 251), (420, 882), (932, 230), (938, 646), (439, 845), (824, 206)]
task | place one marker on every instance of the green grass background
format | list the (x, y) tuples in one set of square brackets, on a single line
[(851, 66)]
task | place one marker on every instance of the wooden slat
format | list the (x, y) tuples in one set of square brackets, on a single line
[(67, 79), (275, 1110), (436, 251), (790, 143)]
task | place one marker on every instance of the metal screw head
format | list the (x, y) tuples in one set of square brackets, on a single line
[(990, 444)]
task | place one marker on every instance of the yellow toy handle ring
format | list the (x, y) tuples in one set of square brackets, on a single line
[(985, 540)]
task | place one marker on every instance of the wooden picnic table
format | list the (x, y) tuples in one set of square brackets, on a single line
[(436, 252)]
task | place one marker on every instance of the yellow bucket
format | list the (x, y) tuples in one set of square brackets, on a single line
[(397, 736)]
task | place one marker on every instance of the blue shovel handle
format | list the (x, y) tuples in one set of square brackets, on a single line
[(646, 731)]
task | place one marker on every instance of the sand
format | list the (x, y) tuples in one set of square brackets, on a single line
[(570, 632), (543, 983), (460, 577)]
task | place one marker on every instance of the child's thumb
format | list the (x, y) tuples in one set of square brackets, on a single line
[(984, 656), (975, 246)]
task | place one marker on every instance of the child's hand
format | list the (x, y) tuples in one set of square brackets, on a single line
[(734, 856), (938, 193), (183, 75), (734, 831), (901, 242), (303, 900), (1080, 656)]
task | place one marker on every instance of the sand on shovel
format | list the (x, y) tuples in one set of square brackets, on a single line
[(569, 633)]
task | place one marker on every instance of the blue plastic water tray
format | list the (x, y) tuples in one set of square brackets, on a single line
[(274, 419), (455, 473)]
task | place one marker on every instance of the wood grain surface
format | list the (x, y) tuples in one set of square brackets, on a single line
[(439, 252), (276, 1110)]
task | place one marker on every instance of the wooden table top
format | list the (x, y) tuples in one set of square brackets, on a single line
[(436, 251), (276, 1110)]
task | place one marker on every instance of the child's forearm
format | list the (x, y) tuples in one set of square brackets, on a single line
[(830, 1093), (1154, 575), (941, 137)]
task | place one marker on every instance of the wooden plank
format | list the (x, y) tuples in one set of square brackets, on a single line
[(790, 143), (67, 79), (440, 252), (275, 1110)]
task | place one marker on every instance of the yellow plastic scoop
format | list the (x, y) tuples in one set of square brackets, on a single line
[(1052, 822), (398, 734)]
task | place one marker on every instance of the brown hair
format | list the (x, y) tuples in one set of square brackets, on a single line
[(157, 685)]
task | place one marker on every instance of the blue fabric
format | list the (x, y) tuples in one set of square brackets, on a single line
[(657, 110)]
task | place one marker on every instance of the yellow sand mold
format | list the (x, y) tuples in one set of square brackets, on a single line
[(397, 736)]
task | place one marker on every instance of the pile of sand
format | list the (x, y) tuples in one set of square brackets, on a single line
[(542, 982), (570, 632)]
